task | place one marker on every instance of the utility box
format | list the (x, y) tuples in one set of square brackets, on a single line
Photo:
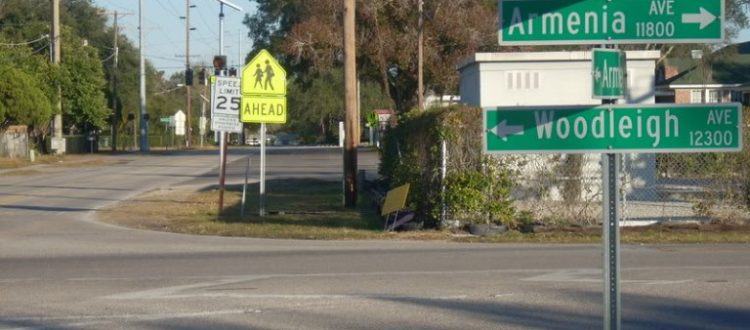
[(548, 79)]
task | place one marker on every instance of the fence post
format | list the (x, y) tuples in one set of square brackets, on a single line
[(443, 174)]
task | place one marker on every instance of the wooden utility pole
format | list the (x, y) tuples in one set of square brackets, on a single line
[(143, 127), (115, 110), (116, 114), (350, 95), (420, 55), (189, 110), (59, 144)]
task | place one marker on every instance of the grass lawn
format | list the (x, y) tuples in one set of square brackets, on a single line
[(312, 209), (296, 208)]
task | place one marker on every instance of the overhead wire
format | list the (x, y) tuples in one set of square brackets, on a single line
[(108, 58), (165, 43), (113, 4), (24, 43)]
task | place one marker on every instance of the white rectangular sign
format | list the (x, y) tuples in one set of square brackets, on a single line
[(179, 123), (225, 105)]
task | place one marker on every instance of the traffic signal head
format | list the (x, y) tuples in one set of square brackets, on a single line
[(189, 77), (220, 62), (202, 76)]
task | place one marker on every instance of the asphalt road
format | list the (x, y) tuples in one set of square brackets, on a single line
[(61, 269)]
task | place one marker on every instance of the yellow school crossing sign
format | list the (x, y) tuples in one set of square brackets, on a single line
[(263, 91)]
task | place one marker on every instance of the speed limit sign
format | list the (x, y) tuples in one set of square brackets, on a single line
[(225, 105)]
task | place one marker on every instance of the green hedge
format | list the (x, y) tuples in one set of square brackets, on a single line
[(477, 187)]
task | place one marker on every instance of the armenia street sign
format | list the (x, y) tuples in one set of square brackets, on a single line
[(609, 73), (614, 129), (554, 22)]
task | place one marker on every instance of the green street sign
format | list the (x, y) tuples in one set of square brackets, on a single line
[(609, 73), (545, 22), (614, 129)]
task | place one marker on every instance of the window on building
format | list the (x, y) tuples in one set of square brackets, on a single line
[(696, 96), (522, 80), (713, 96), (736, 96)]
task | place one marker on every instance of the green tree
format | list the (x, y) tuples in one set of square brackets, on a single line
[(22, 100), (24, 85), (316, 106), (308, 35), (82, 83), (86, 72)]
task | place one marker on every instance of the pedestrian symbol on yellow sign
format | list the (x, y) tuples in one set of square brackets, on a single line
[(258, 77), (264, 76), (267, 73), (269, 76)]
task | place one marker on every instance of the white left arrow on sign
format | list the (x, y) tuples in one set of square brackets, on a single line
[(503, 130), (704, 18)]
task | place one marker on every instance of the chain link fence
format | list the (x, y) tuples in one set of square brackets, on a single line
[(692, 187), (558, 189), (655, 188)]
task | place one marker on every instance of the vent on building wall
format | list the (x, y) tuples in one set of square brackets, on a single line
[(523, 80)]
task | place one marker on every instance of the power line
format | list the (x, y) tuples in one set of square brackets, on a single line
[(108, 57), (174, 10), (113, 4), (205, 24), (38, 50), (25, 42)]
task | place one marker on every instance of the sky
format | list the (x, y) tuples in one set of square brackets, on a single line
[(164, 30), (744, 36)]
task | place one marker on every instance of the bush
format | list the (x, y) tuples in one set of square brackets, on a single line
[(476, 197), (477, 187)]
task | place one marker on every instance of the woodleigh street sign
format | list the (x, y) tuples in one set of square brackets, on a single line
[(608, 73), (614, 129), (539, 22)]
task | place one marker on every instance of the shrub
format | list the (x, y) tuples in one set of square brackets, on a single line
[(477, 186)]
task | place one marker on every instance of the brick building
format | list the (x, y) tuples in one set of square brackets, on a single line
[(722, 76)]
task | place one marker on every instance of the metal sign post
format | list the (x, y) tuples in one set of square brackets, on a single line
[(244, 189), (611, 201), (611, 240), (263, 101), (262, 199), (225, 113)]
